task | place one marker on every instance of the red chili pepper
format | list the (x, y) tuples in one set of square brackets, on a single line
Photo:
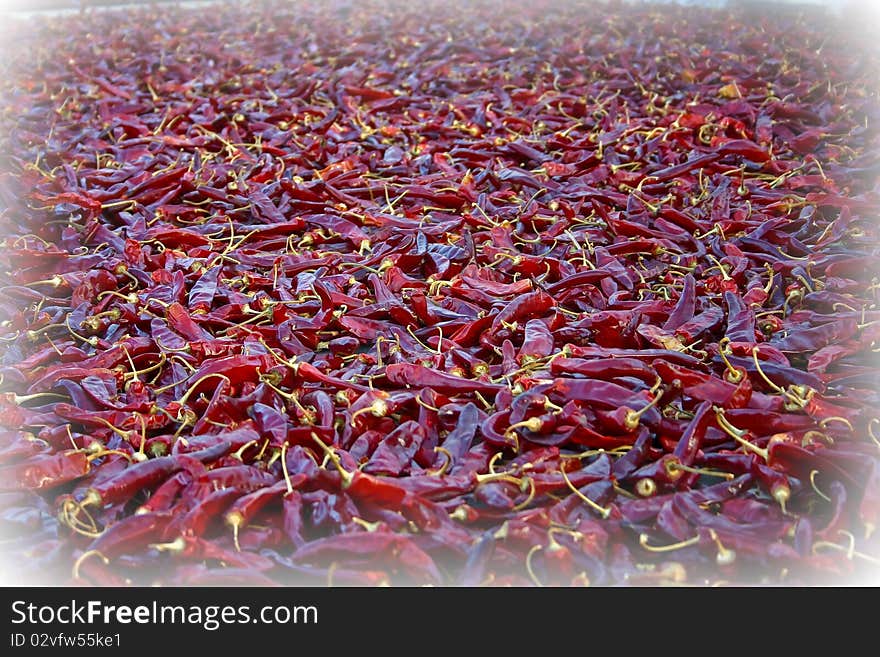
[(247, 506), (604, 368), (163, 497), (196, 521), (526, 307), (19, 444), (537, 342), (143, 475), (239, 477), (417, 375), (131, 533), (45, 471), (376, 543), (199, 549), (700, 386)]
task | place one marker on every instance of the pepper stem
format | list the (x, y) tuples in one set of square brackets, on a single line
[(18, 399), (781, 492), (643, 541), (531, 572), (447, 461), (93, 340), (73, 521), (235, 520), (871, 430), (188, 418), (54, 346), (720, 267), (135, 372), (369, 526), (631, 422), (813, 474), (725, 556), (379, 408), (733, 375), (415, 337), (100, 452), (194, 386), (675, 465), (850, 552), (533, 424), (284, 465), (165, 388), (140, 456), (737, 434), (772, 273), (603, 511), (238, 453), (85, 555), (460, 514), (265, 378), (522, 505), (347, 476), (55, 281), (770, 383), (177, 545), (424, 404), (497, 476), (284, 361), (119, 432), (824, 422)]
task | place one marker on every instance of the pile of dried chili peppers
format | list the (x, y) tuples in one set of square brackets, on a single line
[(369, 293)]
